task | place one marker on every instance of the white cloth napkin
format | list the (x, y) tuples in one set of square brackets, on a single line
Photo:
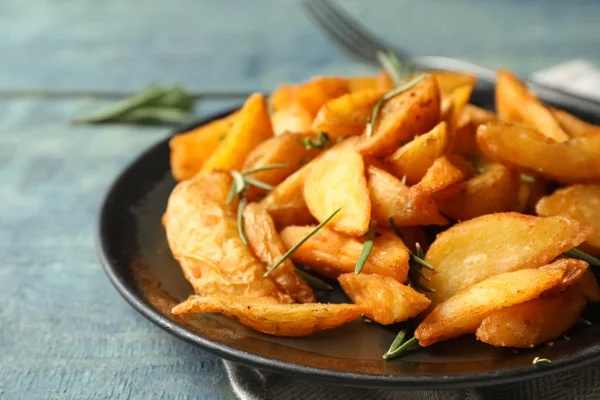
[(577, 76)]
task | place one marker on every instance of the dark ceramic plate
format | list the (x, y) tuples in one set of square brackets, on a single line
[(132, 247)]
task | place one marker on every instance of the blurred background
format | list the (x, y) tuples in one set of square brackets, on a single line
[(64, 331)]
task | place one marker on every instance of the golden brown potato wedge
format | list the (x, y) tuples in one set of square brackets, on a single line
[(495, 190), (191, 149), (383, 299), (574, 126), (283, 96), (284, 149), (337, 181), (332, 253), (264, 315), (458, 100), (589, 286), (291, 119), (415, 157), (251, 127), (362, 83), (384, 82), (445, 171), (411, 113), (534, 322), (203, 236), (580, 202), (570, 162), (485, 246), (346, 115), (267, 246), (449, 81), (515, 103), (318, 91), (464, 140), (392, 198), (464, 312)]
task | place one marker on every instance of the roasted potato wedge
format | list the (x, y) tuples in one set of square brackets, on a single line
[(390, 198), (411, 113), (382, 298), (415, 157), (571, 162), (384, 82), (458, 100), (332, 253), (495, 190), (267, 246), (264, 315), (589, 287), (337, 181), (445, 171), (449, 81), (579, 202), (464, 140), (284, 149), (251, 127), (318, 91), (346, 115), (190, 150), (485, 246), (574, 126), (203, 236), (515, 103), (464, 312), (534, 322), (362, 83), (283, 97), (291, 119)]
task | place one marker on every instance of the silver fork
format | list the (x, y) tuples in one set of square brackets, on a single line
[(356, 41)]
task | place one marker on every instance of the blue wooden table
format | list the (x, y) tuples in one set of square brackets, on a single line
[(64, 332)]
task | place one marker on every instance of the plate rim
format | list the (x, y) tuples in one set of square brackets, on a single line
[(132, 296)]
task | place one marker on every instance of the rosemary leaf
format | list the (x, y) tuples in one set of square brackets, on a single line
[(397, 341), (395, 228), (366, 249), (422, 262), (321, 142), (238, 185), (313, 281), (538, 360), (259, 184), (240, 219), (263, 168), (300, 243), (410, 345), (390, 67), (580, 255), (389, 95), (527, 178)]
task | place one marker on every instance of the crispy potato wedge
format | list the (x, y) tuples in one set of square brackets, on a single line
[(464, 312), (318, 91), (464, 138), (362, 83), (571, 162), (589, 286), (251, 127), (485, 246), (495, 190), (515, 103), (383, 299), (534, 322), (291, 119), (445, 171), (264, 315), (458, 100), (267, 246), (384, 82), (530, 194), (284, 149), (574, 126), (191, 149), (449, 81), (411, 113), (415, 157), (283, 96), (337, 181), (392, 198), (346, 115), (332, 253), (580, 202), (202, 234)]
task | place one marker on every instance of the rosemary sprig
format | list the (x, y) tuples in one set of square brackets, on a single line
[(313, 281), (321, 142), (401, 347), (539, 360), (581, 255), (527, 178), (389, 95), (300, 243), (366, 249), (263, 168), (394, 67), (240, 219)]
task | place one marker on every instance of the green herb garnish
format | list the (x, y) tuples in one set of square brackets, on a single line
[(321, 142), (153, 105), (581, 255), (394, 67), (313, 281), (389, 95), (300, 243), (527, 178), (366, 249), (240, 219), (400, 347), (538, 360)]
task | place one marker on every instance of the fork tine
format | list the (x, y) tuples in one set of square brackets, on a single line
[(330, 30)]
